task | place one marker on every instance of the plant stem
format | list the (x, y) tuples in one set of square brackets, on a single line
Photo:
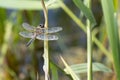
[(8, 31), (89, 50), (89, 46), (45, 55)]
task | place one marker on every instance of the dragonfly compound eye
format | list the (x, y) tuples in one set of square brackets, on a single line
[(41, 25)]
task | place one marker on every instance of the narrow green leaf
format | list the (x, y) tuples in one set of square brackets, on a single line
[(26, 4), (112, 30), (54, 71), (116, 2), (82, 68), (3, 17), (8, 31), (69, 70), (86, 11)]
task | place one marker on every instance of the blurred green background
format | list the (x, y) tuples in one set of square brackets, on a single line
[(18, 62)]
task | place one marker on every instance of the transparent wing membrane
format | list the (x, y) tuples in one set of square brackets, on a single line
[(53, 29), (47, 37), (26, 34), (28, 27)]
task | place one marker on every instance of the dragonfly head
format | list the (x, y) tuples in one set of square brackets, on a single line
[(41, 25)]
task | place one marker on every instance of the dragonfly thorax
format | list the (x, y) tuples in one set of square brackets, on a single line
[(39, 30)]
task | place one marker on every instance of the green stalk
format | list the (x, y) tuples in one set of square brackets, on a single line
[(112, 30), (5, 45), (45, 55), (89, 46), (8, 31), (89, 50), (54, 72)]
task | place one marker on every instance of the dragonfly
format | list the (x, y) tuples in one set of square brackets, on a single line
[(39, 32)]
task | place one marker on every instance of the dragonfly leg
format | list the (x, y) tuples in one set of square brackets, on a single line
[(30, 41)]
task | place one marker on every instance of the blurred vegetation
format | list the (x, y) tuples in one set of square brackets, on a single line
[(18, 62)]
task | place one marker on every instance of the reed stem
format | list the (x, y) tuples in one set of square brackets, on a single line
[(45, 55)]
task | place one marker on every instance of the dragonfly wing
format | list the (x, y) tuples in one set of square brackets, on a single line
[(53, 29), (47, 37), (26, 34), (28, 27)]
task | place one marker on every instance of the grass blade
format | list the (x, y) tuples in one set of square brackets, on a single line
[(54, 72), (86, 11), (82, 68), (69, 70), (112, 30), (26, 4)]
